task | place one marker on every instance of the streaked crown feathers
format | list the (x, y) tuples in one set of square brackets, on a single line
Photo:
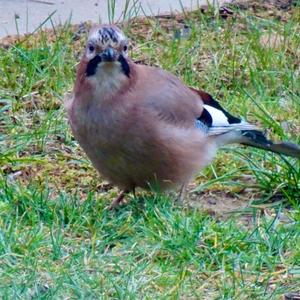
[(107, 35)]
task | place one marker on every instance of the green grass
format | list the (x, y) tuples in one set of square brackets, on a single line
[(57, 238)]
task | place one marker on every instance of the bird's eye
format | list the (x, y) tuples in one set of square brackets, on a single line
[(125, 48), (91, 48)]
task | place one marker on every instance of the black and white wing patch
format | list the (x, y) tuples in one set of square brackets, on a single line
[(205, 121), (216, 120)]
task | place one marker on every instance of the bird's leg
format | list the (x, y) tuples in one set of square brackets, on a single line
[(182, 194), (119, 199), (134, 193)]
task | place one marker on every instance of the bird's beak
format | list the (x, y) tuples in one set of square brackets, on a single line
[(109, 54)]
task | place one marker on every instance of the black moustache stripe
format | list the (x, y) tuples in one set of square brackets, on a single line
[(124, 65), (92, 65)]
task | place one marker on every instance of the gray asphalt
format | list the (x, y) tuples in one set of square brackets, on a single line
[(24, 16)]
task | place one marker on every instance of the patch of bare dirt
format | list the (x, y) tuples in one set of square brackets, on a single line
[(218, 202), (223, 204), (259, 4)]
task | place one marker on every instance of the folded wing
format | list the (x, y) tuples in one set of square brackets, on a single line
[(226, 129)]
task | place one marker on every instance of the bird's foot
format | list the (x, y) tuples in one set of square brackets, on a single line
[(117, 201)]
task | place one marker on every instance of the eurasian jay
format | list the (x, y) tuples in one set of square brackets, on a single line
[(141, 126)]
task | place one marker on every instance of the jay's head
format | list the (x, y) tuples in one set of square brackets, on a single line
[(106, 47)]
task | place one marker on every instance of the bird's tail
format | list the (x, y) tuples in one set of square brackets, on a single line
[(255, 138)]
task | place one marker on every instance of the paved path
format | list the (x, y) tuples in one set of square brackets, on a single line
[(29, 14)]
